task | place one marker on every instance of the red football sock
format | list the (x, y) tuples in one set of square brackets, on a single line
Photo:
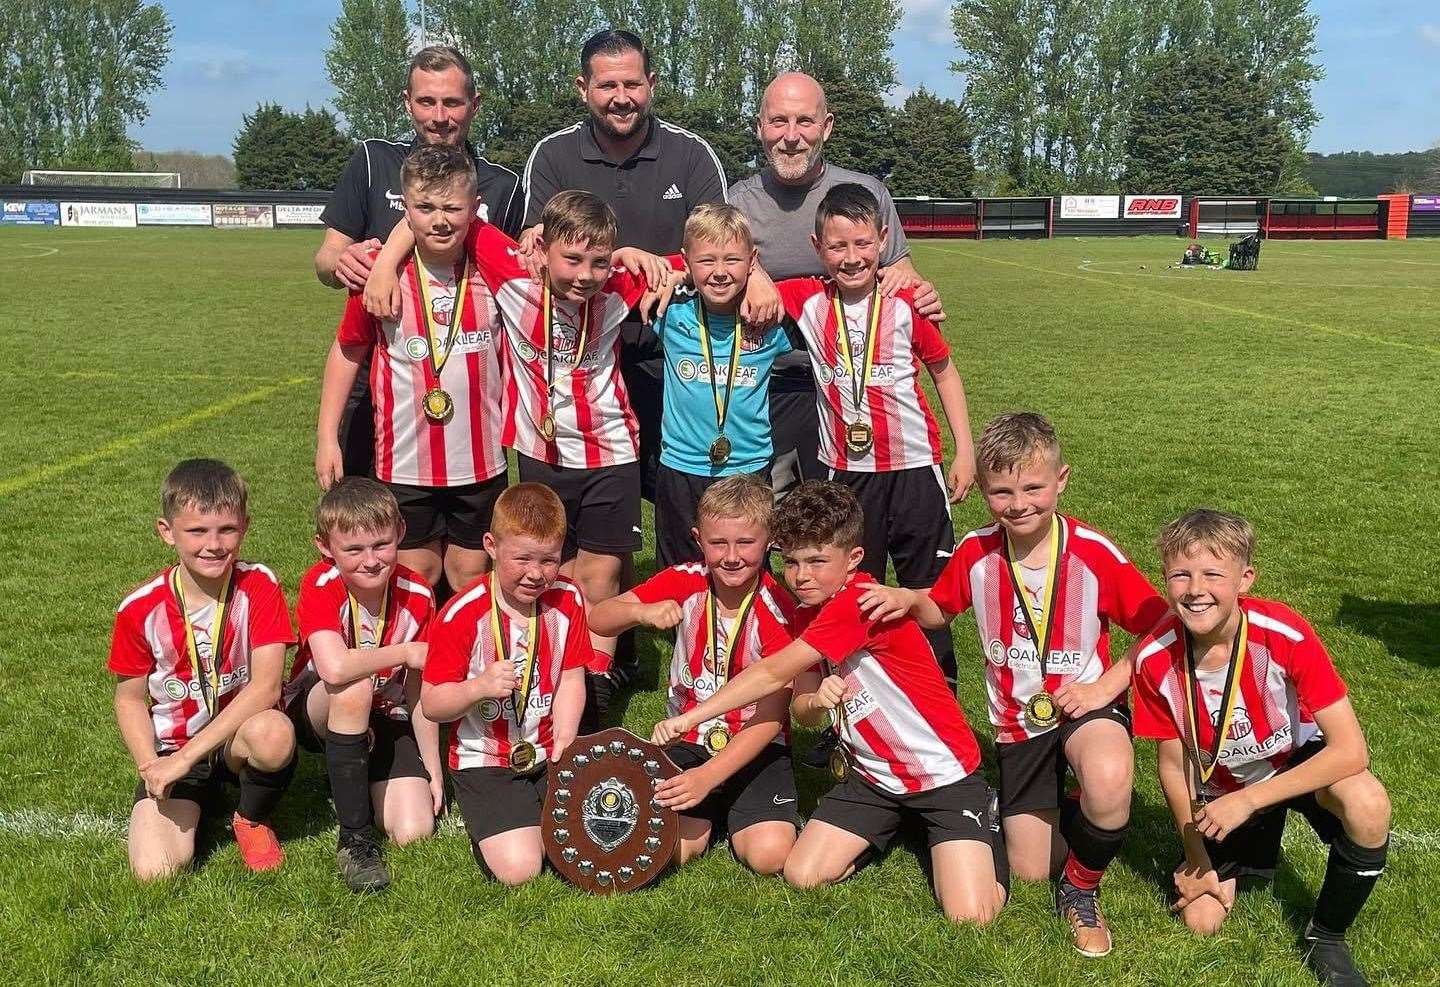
[(1081, 876)]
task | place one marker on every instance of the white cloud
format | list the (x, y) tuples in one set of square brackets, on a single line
[(927, 19), (1430, 33), (219, 63)]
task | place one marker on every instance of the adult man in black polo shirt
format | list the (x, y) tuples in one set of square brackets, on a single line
[(651, 173), (365, 205)]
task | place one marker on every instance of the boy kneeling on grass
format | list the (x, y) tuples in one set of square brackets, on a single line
[(1252, 721), (730, 613), (199, 651), (354, 692), (908, 753), (507, 664)]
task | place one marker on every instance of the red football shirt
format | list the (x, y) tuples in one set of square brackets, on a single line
[(410, 448), (324, 605), (905, 432), (462, 645), (1287, 677), (1098, 584), (149, 640), (692, 679), (903, 729)]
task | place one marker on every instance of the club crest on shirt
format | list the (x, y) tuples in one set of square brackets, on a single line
[(441, 308), (564, 336), (1240, 725), (1018, 622), (751, 340)]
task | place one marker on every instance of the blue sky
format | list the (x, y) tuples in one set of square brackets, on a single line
[(1381, 91)]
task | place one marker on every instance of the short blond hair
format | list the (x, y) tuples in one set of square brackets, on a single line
[(576, 216), (1016, 438), (718, 223), (356, 503), (1219, 532), (742, 495), (530, 510)]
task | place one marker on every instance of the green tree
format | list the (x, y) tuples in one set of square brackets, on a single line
[(366, 62), (276, 149), (520, 127), (73, 76), (933, 137), (1200, 127), (864, 135)]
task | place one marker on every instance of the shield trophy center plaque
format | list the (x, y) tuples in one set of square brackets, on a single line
[(601, 827)]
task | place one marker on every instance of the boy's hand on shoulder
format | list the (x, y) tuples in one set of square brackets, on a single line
[(830, 693), (1217, 820), (685, 790), (882, 603), (662, 615), (415, 654), (961, 478), (1075, 699), (382, 294), (762, 306), (353, 266), (528, 252), (160, 775), (499, 679), (329, 463), (640, 263)]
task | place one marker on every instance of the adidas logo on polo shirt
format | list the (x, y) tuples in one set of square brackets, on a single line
[(672, 193)]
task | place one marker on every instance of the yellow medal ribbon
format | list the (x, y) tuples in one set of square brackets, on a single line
[(208, 677), (1233, 672), (502, 648), (382, 619), (1039, 630), (427, 314), (712, 625), (858, 381), (722, 408), (547, 304)]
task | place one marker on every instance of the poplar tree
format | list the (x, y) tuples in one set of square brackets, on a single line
[(366, 62)]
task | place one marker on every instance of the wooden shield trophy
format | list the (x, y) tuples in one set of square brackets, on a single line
[(601, 827)]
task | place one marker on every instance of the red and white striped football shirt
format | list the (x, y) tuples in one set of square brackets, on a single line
[(594, 424), (324, 605), (692, 680), (149, 640), (1287, 677), (1098, 584), (409, 447), (462, 645), (903, 730), (894, 404)]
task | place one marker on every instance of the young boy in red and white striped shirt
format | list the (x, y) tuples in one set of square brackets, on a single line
[(728, 613), (566, 411), (507, 664), (906, 752), (878, 435), (435, 376), (1045, 588), (1252, 721), (199, 652), (354, 691)]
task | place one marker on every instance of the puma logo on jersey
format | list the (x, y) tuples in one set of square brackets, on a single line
[(672, 193), (973, 815)]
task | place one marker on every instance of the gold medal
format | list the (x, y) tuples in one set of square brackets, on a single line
[(522, 756), (839, 763), (719, 451), (859, 437), (439, 406), (547, 427), (716, 738), (1041, 711)]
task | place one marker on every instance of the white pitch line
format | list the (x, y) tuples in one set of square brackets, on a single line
[(1088, 266), (55, 825)]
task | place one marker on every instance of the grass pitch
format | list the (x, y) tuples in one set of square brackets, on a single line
[(1303, 395)]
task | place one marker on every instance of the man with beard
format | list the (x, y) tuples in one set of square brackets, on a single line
[(366, 205), (780, 203), (652, 174)]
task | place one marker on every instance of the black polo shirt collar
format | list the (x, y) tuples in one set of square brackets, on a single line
[(590, 149)]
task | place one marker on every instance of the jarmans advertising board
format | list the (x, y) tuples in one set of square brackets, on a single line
[(97, 214)]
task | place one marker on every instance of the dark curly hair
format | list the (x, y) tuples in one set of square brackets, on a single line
[(818, 512)]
